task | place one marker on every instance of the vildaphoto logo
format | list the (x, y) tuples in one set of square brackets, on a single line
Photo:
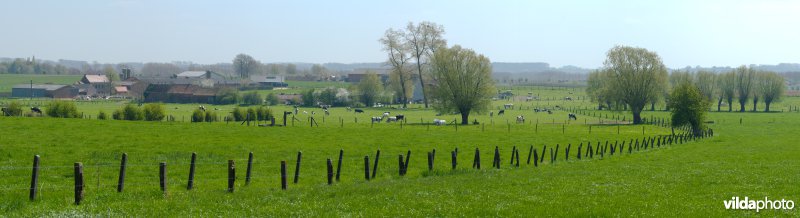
[(736, 203)]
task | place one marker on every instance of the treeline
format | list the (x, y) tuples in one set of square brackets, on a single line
[(27, 66), (742, 85)]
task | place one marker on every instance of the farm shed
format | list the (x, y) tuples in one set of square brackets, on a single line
[(43, 90)]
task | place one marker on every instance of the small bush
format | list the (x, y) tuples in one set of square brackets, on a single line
[(251, 114), (227, 96), (198, 115), (238, 114), (263, 113), (14, 109), (117, 115), (62, 109), (272, 99), (211, 116), (154, 112), (132, 112), (252, 98), (102, 115)]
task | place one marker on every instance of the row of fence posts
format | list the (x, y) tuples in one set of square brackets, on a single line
[(403, 161)]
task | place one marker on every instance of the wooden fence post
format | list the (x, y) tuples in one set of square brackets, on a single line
[(566, 152), (544, 149), (231, 175), (191, 171), (121, 181), (366, 167), (530, 152), (516, 156), (405, 167), (297, 167), (34, 177), (453, 156), (339, 164), (476, 163), (78, 182), (162, 177), (430, 161), (375, 167), (330, 171), (249, 168), (400, 165), (283, 175), (513, 151)]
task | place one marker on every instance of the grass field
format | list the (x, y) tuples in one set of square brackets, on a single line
[(755, 158), (10, 80)]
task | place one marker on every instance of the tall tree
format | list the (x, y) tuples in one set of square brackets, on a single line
[(726, 84), (291, 69), (772, 87), (599, 90), (463, 81), (744, 84), (398, 52), (637, 74), (423, 39), (688, 107), (244, 65), (706, 82), (369, 89)]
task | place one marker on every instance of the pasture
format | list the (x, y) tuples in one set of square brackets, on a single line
[(754, 157)]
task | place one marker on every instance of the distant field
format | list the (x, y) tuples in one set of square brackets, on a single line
[(9, 80), (755, 158)]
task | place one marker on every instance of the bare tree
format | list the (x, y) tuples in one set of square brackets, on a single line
[(706, 82), (772, 87), (399, 56), (422, 40), (744, 84), (726, 84), (244, 65)]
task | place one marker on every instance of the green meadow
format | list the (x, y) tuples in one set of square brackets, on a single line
[(751, 154)]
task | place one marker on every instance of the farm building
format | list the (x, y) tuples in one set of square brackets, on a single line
[(269, 81), (43, 90), (357, 77), (179, 93), (289, 99), (101, 84)]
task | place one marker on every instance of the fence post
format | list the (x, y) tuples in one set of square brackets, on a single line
[(330, 171), (366, 167), (530, 152), (513, 151), (283, 175), (78, 183), (121, 181), (231, 175), (400, 165), (162, 177), (566, 152), (191, 172), (375, 167), (453, 156), (34, 177), (249, 168), (339, 164), (476, 162), (297, 167), (516, 156), (544, 149), (405, 167), (430, 161)]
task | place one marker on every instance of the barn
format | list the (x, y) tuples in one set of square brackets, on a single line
[(43, 90)]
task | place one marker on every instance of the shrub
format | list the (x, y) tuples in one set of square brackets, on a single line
[(272, 99), (117, 115), (211, 116), (14, 109), (62, 109), (263, 113), (252, 98), (154, 112), (309, 98), (102, 116), (198, 115), (238, 114), (251, 114), (227, 96), (132, 112)]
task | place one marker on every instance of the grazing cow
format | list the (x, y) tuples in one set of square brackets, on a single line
[(572, 116), (568, 98), (439, 114), (377, 119), (36, 110), (216, 109), (536, 110), (400, 117), (439, 122), (5, 112), (507, 106), (549, 112), (491, 113), (305, 112), (202, 108), (359, 111), (520, 119), (386, 114), (327, 113), (349, 109), (391, 119), (313, 112), (501, 112)]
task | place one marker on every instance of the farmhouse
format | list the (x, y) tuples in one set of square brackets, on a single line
[(100, 83), (43, 90), (269, 81)]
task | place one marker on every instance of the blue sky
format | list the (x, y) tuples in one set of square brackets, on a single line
[(705, 33)]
